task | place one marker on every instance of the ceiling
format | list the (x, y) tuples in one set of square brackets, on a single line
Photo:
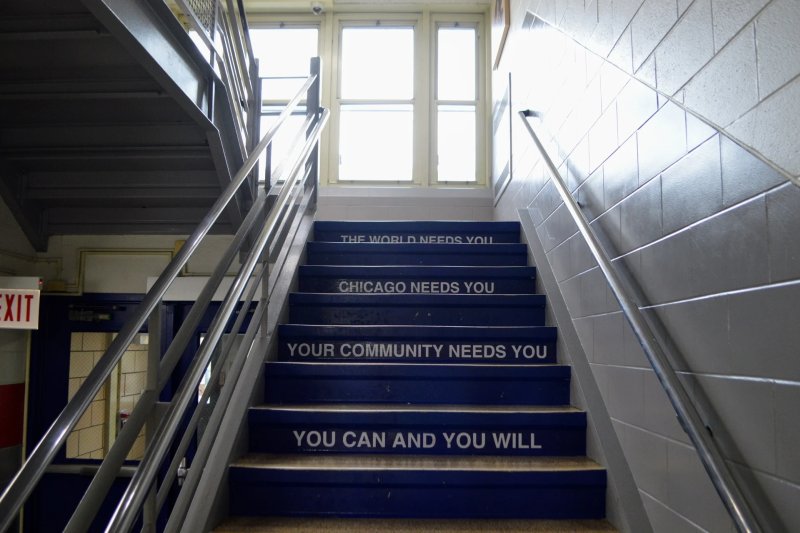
[(302, 6)]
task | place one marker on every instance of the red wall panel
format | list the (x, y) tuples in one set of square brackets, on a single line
[(12, 407)]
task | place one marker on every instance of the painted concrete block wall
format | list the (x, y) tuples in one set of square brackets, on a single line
[(404, 203), (656, 109)]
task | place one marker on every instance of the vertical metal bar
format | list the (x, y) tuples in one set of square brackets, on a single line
[(154, 338), (313, 110), (128, 506), (93, 497)]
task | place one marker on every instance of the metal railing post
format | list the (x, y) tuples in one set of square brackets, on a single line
[(313, 110)]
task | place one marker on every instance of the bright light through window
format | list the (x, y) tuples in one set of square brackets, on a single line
[(282, 143), (456, 117), (375, 143), (377, 63), (456, 142), (376, 138), (456, 64), (283, 57)]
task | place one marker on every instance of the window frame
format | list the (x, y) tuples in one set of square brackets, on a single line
[(450, 20), (287, 22), (387, 20), (425, 128)]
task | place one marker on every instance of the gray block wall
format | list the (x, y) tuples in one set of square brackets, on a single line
[(674, 123)]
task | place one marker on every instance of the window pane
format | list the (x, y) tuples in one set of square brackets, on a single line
[(281, 89), (284, 51), (456, 64), (456, 143), (377, 63), (282, 142), (375, 142)]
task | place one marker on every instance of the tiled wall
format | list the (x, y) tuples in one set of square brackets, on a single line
[(708, 230), (88, 438), (91, 437)]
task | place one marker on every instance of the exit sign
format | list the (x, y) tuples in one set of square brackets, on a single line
[(19, 309)]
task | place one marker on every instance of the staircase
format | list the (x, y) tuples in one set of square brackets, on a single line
[(416, 381), (111, 122)]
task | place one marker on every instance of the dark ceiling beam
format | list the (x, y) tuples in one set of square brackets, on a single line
[(91, 136), (119, 194), (99, 152), (52, 35), (44, 23), (125, 178), (125, 215)]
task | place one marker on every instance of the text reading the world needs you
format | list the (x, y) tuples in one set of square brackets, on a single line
[(427, 239), (367, 350), (413, 440)]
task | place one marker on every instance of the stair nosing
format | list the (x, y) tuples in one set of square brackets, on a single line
[(379, 462), (419, 408)]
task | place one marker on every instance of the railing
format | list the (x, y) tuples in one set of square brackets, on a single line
[(689, 417), (143, 496), (221, 27)]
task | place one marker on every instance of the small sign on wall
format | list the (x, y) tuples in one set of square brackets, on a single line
[(19, 309)]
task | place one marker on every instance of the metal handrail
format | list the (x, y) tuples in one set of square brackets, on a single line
[(51, 442), (128, 506), (271, 226), (689, 417)]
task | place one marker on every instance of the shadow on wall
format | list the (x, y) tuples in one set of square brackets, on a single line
[(708, 231)]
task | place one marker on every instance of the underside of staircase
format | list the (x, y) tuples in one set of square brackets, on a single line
[(106, 125), (416, 387)]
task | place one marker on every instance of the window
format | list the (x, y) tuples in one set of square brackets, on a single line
[(376, 104), (409, 100), (456, 103), (283, 74)]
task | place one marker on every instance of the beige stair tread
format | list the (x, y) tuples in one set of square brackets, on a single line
[(411, 462), (432, 408), (342, 525)]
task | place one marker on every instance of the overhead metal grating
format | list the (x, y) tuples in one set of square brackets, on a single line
[(204, 11)]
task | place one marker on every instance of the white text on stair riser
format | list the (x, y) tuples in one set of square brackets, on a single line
[(415, 440), (426, 239), (415, 287), (415, 351)]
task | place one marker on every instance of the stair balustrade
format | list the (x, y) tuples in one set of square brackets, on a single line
[(262, 230)]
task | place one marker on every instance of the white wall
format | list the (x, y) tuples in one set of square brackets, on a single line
[(404, 203), (663, 163)]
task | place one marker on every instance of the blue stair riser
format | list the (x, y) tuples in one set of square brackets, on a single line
[(418, 494), (418, 433), (417, 280), (422, 232), (334, 253), (418, 309), (295, 383)]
